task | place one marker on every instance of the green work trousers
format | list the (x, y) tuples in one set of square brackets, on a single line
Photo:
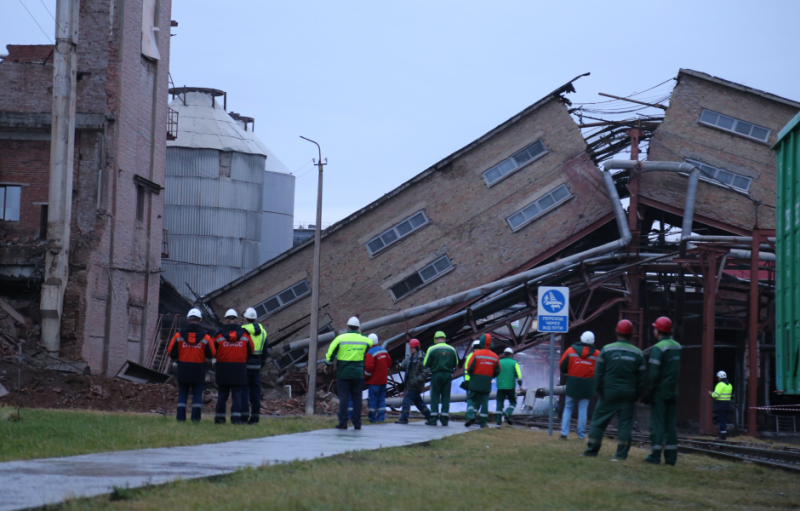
[(440, 393), (664, 431), (502, 396), (478, 402), (603, 413)]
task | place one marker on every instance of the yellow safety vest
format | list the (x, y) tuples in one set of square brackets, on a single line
[(258, 340), (349, 347), (723, 391), (466, 366)]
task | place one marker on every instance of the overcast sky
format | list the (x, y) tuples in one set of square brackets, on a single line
[(390, 88)]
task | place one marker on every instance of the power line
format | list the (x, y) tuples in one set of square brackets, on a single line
[(48, 10), (34, 20)]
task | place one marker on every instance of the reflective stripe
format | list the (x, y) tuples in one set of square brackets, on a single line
[(220, 415), (627, 358), (253, 367), (181, 405), (371, 409), (469, 408), (622, 348), (642, 367), (237, 414), (484, 415), (657, 362), (592, 358), (667, 348), (367, 374), (670, 447), (574, 355), (624, 442), (484, 357), (345, 343), (445, 414)]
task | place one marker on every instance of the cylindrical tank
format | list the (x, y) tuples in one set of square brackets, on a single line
[(213, 195)]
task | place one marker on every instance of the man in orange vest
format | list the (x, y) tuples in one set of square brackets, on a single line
[(191, 346), (578, 362), (233, 345), (482, 367)]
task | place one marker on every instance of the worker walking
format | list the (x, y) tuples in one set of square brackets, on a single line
[(578, 361), (441, 360), (510, 376), (191, 346), (619, 379), (722, 395), (255, 362), (234, 346), (662, 393), (416, 375), (465, 384), (482, 366), (349, 350), (376, 374)]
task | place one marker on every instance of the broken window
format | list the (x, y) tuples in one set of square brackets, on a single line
[(10, 200), (516, 161), (735, 125), (421, 277), (282, 299), (714, 174), (43, 222), (539, 207), (140, 203), (397, 232)]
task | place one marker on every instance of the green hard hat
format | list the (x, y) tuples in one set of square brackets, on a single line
[(439, 334)]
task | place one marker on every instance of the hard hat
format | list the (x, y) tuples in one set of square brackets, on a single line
[(231, 314), (354, 322), (374, 339), (476, 342), (439, 335), (195, 313), (663, 324), (509, 351), (722, 374), (413, 343), (588, 337), (625, 327), (250, 313)]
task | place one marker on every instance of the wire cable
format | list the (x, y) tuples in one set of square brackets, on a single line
[(48, 10), (34, 20)]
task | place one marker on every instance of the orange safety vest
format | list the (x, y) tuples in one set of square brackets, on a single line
[(581, 365), (484, 362)]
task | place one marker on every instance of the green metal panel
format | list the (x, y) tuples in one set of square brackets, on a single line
[(787, 250)]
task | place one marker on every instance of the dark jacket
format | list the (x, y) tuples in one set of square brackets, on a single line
[(620, 373), (664, 370), (579, 361), (191, 346), (416, 373), (233, 345)]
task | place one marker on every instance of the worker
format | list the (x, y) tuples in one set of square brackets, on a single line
[(376, 373), (578, 362), (441, 360), (234, 346), (416, 376), (255, 362), (510, 376), (349, 350), (482, 366), (465, 384), (191, 346), (662, 393), (619, 379), (722, 403)]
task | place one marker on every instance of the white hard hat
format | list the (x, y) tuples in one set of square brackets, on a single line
[(587, 337), (722, 374), (509, 351), (374, 339), (250, 313), (195, 313), (353, 322), (231, 314), (476, 342)]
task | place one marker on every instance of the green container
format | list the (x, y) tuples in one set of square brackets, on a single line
[(787, 251)]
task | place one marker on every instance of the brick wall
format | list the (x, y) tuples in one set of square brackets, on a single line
[(25, 162)]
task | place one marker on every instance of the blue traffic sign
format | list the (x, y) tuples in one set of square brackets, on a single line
[(553, 309), (553, 301)]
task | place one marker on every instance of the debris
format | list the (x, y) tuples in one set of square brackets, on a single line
[(12, 312), (132, 371)]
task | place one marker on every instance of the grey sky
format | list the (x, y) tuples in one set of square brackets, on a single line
[(389, 88)]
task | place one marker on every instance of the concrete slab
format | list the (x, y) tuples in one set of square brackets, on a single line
[(34, 483)]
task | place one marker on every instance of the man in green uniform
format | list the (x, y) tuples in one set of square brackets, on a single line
[(350, 348), (662, 393), (482, 366), (619, 378), (510, 376), (441, 360)]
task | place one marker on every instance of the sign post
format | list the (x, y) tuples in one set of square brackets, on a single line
[(553, 316)]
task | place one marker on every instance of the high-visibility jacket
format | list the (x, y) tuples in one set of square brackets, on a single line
[(259, 335), (466, 365), (376, 366), (510, 374), (191, 346), (722, 395), (483, 366), (350, 349), (664, 370), (233, 345), (441, 358), (579, 362)]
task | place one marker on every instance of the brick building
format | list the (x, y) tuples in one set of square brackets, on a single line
[(110, 304)]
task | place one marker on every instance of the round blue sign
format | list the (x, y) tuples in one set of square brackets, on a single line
[(553, 301)]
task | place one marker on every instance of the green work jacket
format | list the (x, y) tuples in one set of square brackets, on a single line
[(664, 370), (509, 374), (620, 372), (441, 358), (349, 349)]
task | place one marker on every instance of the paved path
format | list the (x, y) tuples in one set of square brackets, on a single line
[(33, 483)]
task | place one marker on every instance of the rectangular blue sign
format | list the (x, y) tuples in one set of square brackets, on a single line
[(553, 324)]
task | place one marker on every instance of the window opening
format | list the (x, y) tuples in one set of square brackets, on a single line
[(10, 200), (539, 207), (421, 277), (511, 164), (282, 299), (732, 179), (140, 203), (397, 232), (735, 125)]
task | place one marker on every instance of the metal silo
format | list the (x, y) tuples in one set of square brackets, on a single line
[(213, 195)]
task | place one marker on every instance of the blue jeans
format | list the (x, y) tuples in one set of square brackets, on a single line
[(583, 405), (196, 390), (252, 406), (376, 403), (415, 398), (350, 389)]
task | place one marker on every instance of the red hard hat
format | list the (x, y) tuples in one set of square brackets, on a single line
[(663, 324), (625, 327), (413, 343)]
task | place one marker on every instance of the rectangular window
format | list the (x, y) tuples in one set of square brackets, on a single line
[(709, 173), (735, 125), (511, 164), (398, 232), (10, 200), (43, 222), (140, 203), (282, 299), (539, 207), (421, 277)]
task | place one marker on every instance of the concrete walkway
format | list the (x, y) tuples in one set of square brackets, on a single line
[(34, 483)]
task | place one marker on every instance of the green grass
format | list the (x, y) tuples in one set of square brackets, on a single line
[(505, 469), (50, 433)]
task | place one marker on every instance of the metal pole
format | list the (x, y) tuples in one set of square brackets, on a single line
[(311, 393), (752, 341), (552, 378)]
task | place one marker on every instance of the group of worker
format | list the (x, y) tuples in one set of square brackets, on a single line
[(240, 354)]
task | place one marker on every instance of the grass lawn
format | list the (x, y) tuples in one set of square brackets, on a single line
[(49, 433), (507, 469)]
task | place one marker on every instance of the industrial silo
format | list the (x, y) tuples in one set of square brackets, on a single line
[(213, 195)]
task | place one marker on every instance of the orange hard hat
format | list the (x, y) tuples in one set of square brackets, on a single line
[(625, 327), (663, 324)]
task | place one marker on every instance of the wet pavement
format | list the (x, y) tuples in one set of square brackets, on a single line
[(34, 483)]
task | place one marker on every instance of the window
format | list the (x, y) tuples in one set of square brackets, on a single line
[(140, 203), (709, 173), (10, 198), (511, 164), (282, 299), (397, 232), (43, 222), (421, 277), (735, 125), (538, 207)]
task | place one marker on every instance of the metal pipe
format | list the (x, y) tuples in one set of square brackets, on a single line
[(397, 402)]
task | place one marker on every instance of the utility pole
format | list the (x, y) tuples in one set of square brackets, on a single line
[(62, 151), (311, 394)]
